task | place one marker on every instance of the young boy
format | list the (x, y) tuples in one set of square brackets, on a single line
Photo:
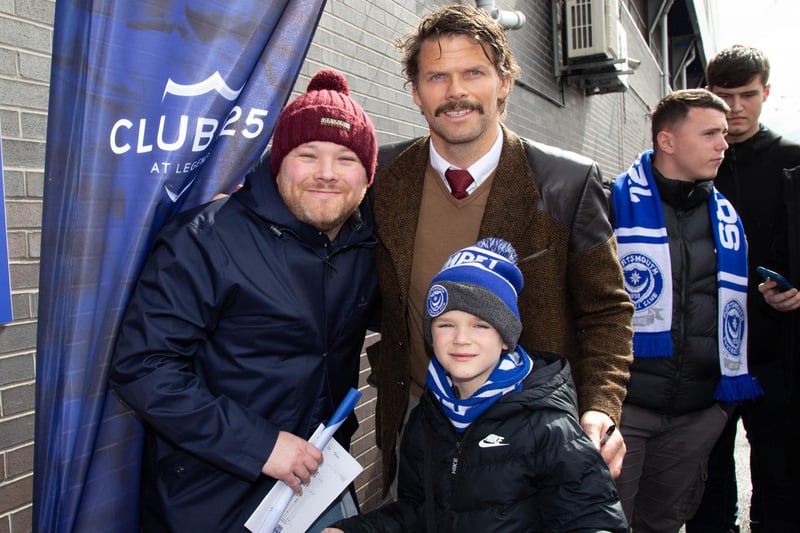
[(495, 444)]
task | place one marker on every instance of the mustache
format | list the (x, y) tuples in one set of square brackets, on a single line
[(457, 106)]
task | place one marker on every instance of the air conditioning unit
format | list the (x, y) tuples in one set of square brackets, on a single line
[(593, 29)]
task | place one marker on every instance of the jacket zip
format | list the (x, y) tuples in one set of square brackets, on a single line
[(677, 351)]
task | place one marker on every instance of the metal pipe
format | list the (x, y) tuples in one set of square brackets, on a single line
[(688, 57), (665, 73), (509, 20), (666, 5)]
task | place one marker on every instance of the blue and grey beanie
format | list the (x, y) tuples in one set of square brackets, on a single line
[(482, 280)]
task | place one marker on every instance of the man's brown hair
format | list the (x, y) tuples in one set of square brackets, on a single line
[(458, 19), (736, 66), (675, 107)]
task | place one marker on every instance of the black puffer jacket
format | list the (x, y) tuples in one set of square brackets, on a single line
[(686, 381), (525, 465)]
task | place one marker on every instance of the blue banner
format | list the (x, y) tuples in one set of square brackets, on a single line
[(155, 105)]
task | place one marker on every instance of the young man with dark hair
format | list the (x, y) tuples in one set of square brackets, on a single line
[(752, 178), (684, 258)]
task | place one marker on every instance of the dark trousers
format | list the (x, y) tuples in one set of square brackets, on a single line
[(771, 504), (661, 482)]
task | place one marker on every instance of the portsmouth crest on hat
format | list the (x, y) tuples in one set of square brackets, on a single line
[(437, 300)]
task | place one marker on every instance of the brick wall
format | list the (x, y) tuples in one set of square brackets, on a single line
[(25, 42), (355, 36)]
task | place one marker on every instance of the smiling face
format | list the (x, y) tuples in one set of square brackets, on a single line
[(467, 347), (460, 93), (745, 102), (322, 184), (693, 148)]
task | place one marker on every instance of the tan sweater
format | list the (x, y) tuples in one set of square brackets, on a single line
[(445, 226)]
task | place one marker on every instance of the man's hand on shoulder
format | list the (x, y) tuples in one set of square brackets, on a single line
[(597, 424), (293, 460)]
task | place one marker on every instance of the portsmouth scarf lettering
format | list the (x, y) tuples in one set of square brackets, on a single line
[(644, 256)]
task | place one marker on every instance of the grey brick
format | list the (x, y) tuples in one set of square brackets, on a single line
[(22, 520), (8, 62), (16, 494), (9, 123), (14, 184), (15, 431), (25, 94), (16, 368), (24, 275), (23, 153), (17, 400), (34, 67), (23, 215), (34, 125), (21, 306), (34, 184), (35, 37), (20, 461), (35, 244), (15, 338), (17, 244), (38, 10)]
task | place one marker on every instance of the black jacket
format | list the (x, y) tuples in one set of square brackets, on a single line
[(686, 381), (245, 322), (524, 465), (751, 178), (791, 335)]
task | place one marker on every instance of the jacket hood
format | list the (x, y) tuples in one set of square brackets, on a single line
[(548, 386), (745, 150)]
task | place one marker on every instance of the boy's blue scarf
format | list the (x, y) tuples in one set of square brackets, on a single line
[(507, 377), (644, 256)]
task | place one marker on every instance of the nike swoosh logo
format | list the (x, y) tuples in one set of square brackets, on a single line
[(484, 444), (492, 441)]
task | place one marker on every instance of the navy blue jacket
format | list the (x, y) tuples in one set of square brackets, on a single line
[(524, 465), (245, 322)]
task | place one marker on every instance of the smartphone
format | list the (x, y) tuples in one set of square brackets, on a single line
[(783, 283)]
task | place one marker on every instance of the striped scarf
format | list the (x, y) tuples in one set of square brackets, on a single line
[(507, 377), (644, 256)]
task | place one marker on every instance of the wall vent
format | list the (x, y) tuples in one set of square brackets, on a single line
[(593, 29)]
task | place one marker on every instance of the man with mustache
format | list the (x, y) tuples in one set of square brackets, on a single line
[(548, 203)]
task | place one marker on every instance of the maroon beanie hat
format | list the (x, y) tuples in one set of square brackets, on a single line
[(325, 113)]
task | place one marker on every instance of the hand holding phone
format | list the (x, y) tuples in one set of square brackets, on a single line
[(783, 283)]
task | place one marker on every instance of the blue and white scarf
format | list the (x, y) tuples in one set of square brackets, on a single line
[(507, 377), (644, 256)]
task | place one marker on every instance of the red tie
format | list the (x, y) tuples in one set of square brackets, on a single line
[(459, 180)]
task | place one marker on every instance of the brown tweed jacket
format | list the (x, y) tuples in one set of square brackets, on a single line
[(554, 211)]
